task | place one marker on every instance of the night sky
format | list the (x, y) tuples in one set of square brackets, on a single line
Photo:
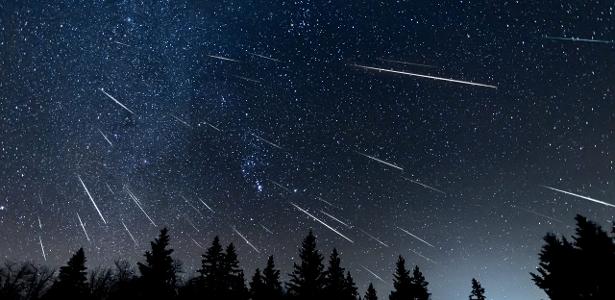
[(258, 121)]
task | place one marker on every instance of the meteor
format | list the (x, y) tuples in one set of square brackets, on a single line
[(180, 120), (223, 58), (197, 243), (245, 239), (40, 225), (109, 188), (381, 161), (105, 137), (130, 234), (416, 237), (423, 257), (576, 39), (193, 207), (116, 101), (209, 124), (424, 185), (266, 141), (280, 186), (425, 76), (406, 63), (321, 222), (265, 228), (123, 44), (40, 240), (579, 196), (208, 207), (138, 203), (335, 219), (190, 222), (91, 199), (83, 227), (538, 214), (266, 57), (374, 238), (374, 274), (246, 79)]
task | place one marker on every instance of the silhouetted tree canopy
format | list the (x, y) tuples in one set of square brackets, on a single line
[(159, 272), (71, 282), (307, 280), (370, 294), (478, 292)]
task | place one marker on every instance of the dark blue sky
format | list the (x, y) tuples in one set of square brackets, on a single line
[(249, 106)]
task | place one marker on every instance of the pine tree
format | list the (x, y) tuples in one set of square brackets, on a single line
[(212, 270), (159, 272), (478, 292), (335, 284), (257, 286), (307, 279), (72, 279), (419, 285), (402, 284), (271, 281), (233, 275), (370, 294), (350, 288)]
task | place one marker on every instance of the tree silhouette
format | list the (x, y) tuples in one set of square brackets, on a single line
[(370, 294), (307, 279), (71, 282), (159, 272), (257, 286), (478, 292), (233, 276), (335, 283), (350, 288), (402, 284), (271, 281), (582, 269), (419, 285), (212, 270)]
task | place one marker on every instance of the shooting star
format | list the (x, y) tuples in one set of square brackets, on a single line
[(424, 185), (406, 63), (105, 137), (424, 257), (190, 222), (40, 225), (576, 39), (83, 227), (109, 188), (197, 243), (280, 186), (246, 79), (210, 125), (245, 239), (40, 240), (426, 76), (266, 57), (138, 203), (193, 207), (123, 44), (335, 219), (266, 141), (416, 237), (40, 198), (130, 234), (375, 275), (381, 161), (223, 58), (321, 222), (328, 203), (91, 199), (208, 207), (579, 196), (265, 228), (116, 101), (374, 238), (180, 120), (538, 214)]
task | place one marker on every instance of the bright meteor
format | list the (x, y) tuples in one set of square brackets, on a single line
[(578, 196), (321, 222)]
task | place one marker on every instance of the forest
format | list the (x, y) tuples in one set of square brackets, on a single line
[(580, 267)]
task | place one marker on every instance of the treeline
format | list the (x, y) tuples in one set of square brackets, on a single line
[(579, 268)]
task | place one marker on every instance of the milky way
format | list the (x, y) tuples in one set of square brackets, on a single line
[(253, 122)]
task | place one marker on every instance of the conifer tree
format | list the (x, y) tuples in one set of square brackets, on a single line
[(478, 292), (307, 279), (212, 270), (370, 294), (271, 281), (257, 286), (419, 285), (159, 272), (233, 275), (402, 284), (72, 279), (335, 284), (350, 288)]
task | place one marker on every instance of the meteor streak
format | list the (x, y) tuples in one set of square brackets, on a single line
[(109, 188), (223, 58), (579, 196), (40, 240), (123, 44), (190, 222), (538, 214), (266, 141), (180, 120), (265, 228), (246, 79), (193, 207), (116, 101), (130, 234), (576, 39), (105, 137), (138, 203), (321, 222), (91, 199), (406, 63), (83, 227), (40, 225), (374, 238), (280, 186), (424, 185), (328, 203), (266, 57), (212, 126), (374, 274), (197, 243), (381, 161), (208, 207), (423, 257), (425, 76), (416, 237), (245, 239), (335, 219)]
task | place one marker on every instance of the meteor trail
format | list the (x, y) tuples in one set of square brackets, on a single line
[(321, 222), (42, 248), (116, 101), (138, 203), (416, 237), (180, 120), (405, 63), (576, 39), (190, 222), (424, 185), (197, 243), (105, 137), (426, 76), (374, 274), (280, 186), (538, 214), (193, 207), (212, 126), (124, 44), (381, 161), (40, 225), (335, 219), (246, 79), (579, 196), (424, 257), (374, 238), (91, 199), (109, 188), (223, 58), (130, 234), (328, 203), (245, 239), (83, 227), (206, 205), (266, 141), (266, 57), (265, 228)]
